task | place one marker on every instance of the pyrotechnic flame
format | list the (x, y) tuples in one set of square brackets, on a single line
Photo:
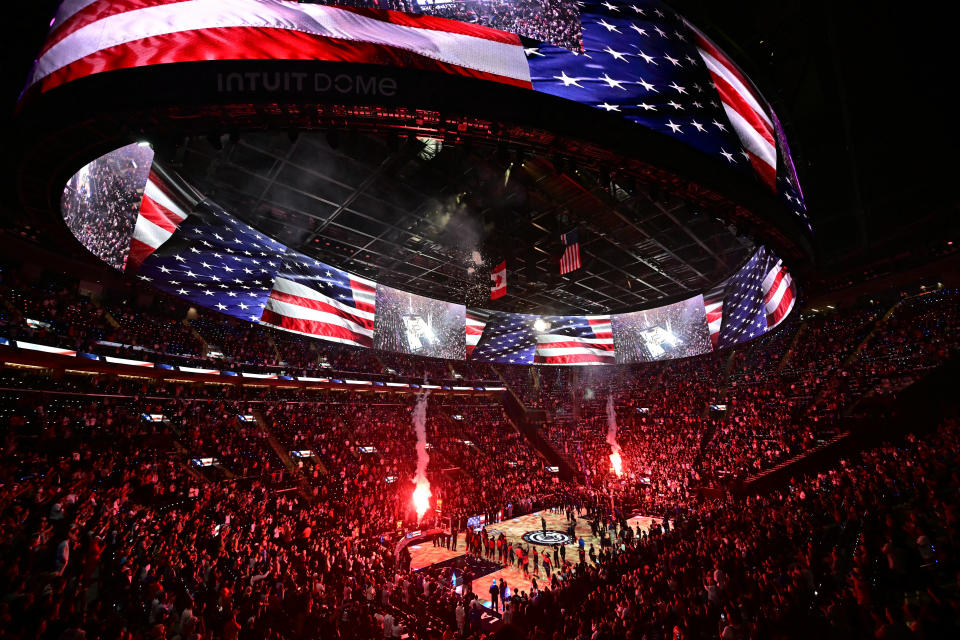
[(421, 497), (615, 459), (617, 463)]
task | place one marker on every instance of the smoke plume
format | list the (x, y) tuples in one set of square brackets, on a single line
[(422, 493)]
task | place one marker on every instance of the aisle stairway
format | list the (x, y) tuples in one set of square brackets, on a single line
[(918, 407), (292, 468), (530, 423)]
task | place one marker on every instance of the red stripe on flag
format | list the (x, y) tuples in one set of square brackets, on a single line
[(315, 328), (139, 251), (361, 303), (573, 343), (769, 293), (782, 309), (735, 101), (575, 358), (435, 23), (96, 11), (159, 215), (319, 305), (253, 43), (767, 173), (720, 57)]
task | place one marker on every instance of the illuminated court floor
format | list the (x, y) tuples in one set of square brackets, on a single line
[(425, 554)]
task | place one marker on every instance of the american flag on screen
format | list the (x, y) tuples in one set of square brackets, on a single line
[(509, 338), (162, 209), (713, 308), (570, 260), (779, 294), (314, 299), (215, 261), (641, 62), (745, 108), (757, 298), (476, 321), (575, 340)]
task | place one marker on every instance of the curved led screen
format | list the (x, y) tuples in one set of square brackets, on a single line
[(638, 61), (188, 246)]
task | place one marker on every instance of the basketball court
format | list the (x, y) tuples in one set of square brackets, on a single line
[(526, 531)]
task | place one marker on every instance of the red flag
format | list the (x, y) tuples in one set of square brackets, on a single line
[(499, 277)]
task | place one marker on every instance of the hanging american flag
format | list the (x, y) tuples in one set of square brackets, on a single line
[(315, 299), (162, 209), (575, 340), (713, 308), (570, 260), (476, 321), (215, 261)]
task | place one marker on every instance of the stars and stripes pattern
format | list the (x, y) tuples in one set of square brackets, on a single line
[(476, 320), (757, 298), (745, 108), (713, 308), (744, 315), (640, 61), (509, 338), (314, 299), (215, 261), (162, 209), (570, 260), (779, 294), (97, 36), (576, 340)]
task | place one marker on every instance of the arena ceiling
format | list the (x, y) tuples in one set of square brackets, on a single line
[(870, 133), (421, 217)]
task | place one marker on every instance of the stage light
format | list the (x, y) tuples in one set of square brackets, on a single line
[(541, 325)]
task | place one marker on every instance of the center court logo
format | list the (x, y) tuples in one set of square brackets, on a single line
[(549, 537)]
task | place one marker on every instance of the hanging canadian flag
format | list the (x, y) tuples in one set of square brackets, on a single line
[(499, 277)]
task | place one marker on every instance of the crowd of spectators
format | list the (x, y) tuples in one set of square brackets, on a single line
[(100, 203), (109, 530), (732, 415), (553, 21), (865, 549), (270, 512)]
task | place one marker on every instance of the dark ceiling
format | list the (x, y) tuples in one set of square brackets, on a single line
[(433, 220)]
